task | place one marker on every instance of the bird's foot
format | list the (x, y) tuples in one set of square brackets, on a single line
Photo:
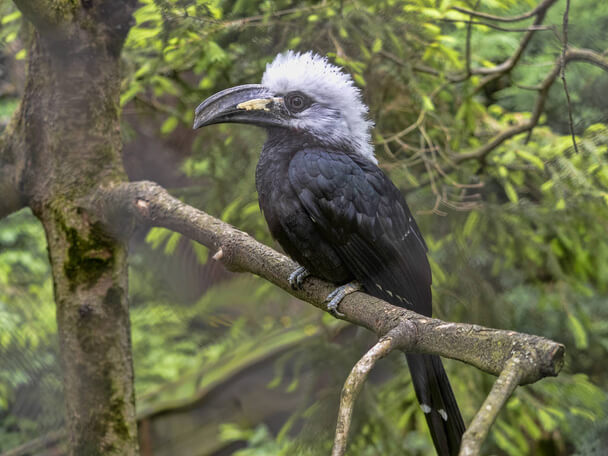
[(296, 278), (336, 296)]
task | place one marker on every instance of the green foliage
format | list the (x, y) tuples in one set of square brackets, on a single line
[(517, 239), (30, 385)]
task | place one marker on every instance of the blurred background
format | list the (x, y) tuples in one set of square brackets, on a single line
[(228, 364)]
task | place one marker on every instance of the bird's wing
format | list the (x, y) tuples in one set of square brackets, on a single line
[(364, 216)]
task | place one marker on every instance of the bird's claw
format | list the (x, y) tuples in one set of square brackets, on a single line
[(336, 297), (296, 278)]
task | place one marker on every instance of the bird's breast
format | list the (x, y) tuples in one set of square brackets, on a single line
[(291, 225)]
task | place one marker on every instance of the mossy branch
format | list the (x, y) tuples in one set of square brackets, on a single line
[(47, 14), (490, 350)]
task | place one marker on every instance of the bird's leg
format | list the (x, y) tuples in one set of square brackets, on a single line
[(296, 278), (336, 296)]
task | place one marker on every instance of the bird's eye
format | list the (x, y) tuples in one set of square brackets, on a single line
[(296, 102)]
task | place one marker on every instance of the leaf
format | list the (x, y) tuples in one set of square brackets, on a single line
[(531, 158), (230, 210), (169, 125), (578, 331), (438, 274), (202, 252), (359, 79), (156, 236), (377, 46), (214, 52), (546, 420), (11, 17), (293, 43), (511, 193), (130, 93), (470, 224), (432, 28), (427, 103), (172, 242), (506, 444), (530, 426)]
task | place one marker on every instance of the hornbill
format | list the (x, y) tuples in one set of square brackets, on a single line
[(332, 209)]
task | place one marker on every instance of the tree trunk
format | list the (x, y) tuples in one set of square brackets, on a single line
[(67, 128)]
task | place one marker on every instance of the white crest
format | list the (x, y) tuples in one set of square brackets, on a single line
[(342, 115)]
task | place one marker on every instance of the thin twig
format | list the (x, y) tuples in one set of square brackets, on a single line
[(406, 130), (563, 75), (571, 55), (510, 63), (543, 6), (421, 68), (251, 19), (468, 42), (504, 386), (497, 71), (532, 28)]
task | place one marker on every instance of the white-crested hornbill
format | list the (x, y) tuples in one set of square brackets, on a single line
[(332, 209)]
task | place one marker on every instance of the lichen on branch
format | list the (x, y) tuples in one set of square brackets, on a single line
[(488, 349), (516, 358)]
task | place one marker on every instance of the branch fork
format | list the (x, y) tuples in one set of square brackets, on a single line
[(515, 357)]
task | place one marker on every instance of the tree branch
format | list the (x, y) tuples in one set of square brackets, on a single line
[(510, 63), (495, 72), (543, 6), (47, 14), (485, 417), (123, 206), (487, 349), (563, 74), (354, 383), (531, 28), (571, 55)]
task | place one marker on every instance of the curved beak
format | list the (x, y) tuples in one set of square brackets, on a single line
[(249, 104)]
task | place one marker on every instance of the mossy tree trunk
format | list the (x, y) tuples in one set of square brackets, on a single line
[(63, 144)]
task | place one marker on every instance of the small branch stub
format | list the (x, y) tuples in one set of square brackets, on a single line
[(142, 207)]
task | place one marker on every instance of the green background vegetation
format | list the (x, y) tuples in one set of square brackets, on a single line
[(518, 238)]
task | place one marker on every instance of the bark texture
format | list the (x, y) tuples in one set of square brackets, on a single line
[(62, 144), (515, 358), (487, 349)]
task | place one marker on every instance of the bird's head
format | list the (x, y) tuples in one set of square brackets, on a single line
[(299, 92)]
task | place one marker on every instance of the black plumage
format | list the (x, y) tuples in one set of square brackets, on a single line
[(338, 215), (334, 211)]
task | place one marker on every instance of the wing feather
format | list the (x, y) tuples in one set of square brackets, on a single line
[(363, 215)]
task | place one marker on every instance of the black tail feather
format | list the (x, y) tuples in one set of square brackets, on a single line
[(437, 402)]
